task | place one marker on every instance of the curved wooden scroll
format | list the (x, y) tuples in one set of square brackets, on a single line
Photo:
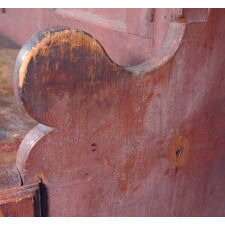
[(119, 141)]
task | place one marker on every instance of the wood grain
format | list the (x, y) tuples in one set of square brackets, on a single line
[(14, 122), (126, 141), (20, 202)]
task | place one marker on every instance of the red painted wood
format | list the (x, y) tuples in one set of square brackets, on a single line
[(21, 201), (139, 22), (124, 45), (128, 35), (146, 140)]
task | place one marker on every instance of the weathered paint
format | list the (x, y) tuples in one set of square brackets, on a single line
[(71, 38), (143, 141), (20, 202), (129, 46), (14, 122)]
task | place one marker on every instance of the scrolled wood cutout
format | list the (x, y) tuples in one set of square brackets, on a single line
[(101, 145)]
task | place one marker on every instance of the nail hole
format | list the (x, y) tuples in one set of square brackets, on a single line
[(3, 10), (86, 174), (178, 153), (93, 150), (93, 144)]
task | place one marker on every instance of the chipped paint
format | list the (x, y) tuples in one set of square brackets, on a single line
[(39, 177), (178, 151), (73, 38)]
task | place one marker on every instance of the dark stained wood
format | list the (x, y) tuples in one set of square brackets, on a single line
[(52, 56), (146, 140)]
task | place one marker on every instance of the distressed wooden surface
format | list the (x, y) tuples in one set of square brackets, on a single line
[(126, 141), (14, 122), (9, 175), (114, 28), (20, 202), (127, 35)]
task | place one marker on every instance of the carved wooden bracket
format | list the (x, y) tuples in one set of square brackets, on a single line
[(109, 136), (90, 108)]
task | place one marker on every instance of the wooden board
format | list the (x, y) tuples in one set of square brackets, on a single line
[(20, 202), (146, 140)]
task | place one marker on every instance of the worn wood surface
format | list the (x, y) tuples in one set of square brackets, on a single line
[(22, 201), (14, 122), (126, 141), (121, 36), (127, 35)]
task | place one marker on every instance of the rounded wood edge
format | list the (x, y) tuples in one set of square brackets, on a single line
[(27, 144), (31, 71), (165, 53)]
